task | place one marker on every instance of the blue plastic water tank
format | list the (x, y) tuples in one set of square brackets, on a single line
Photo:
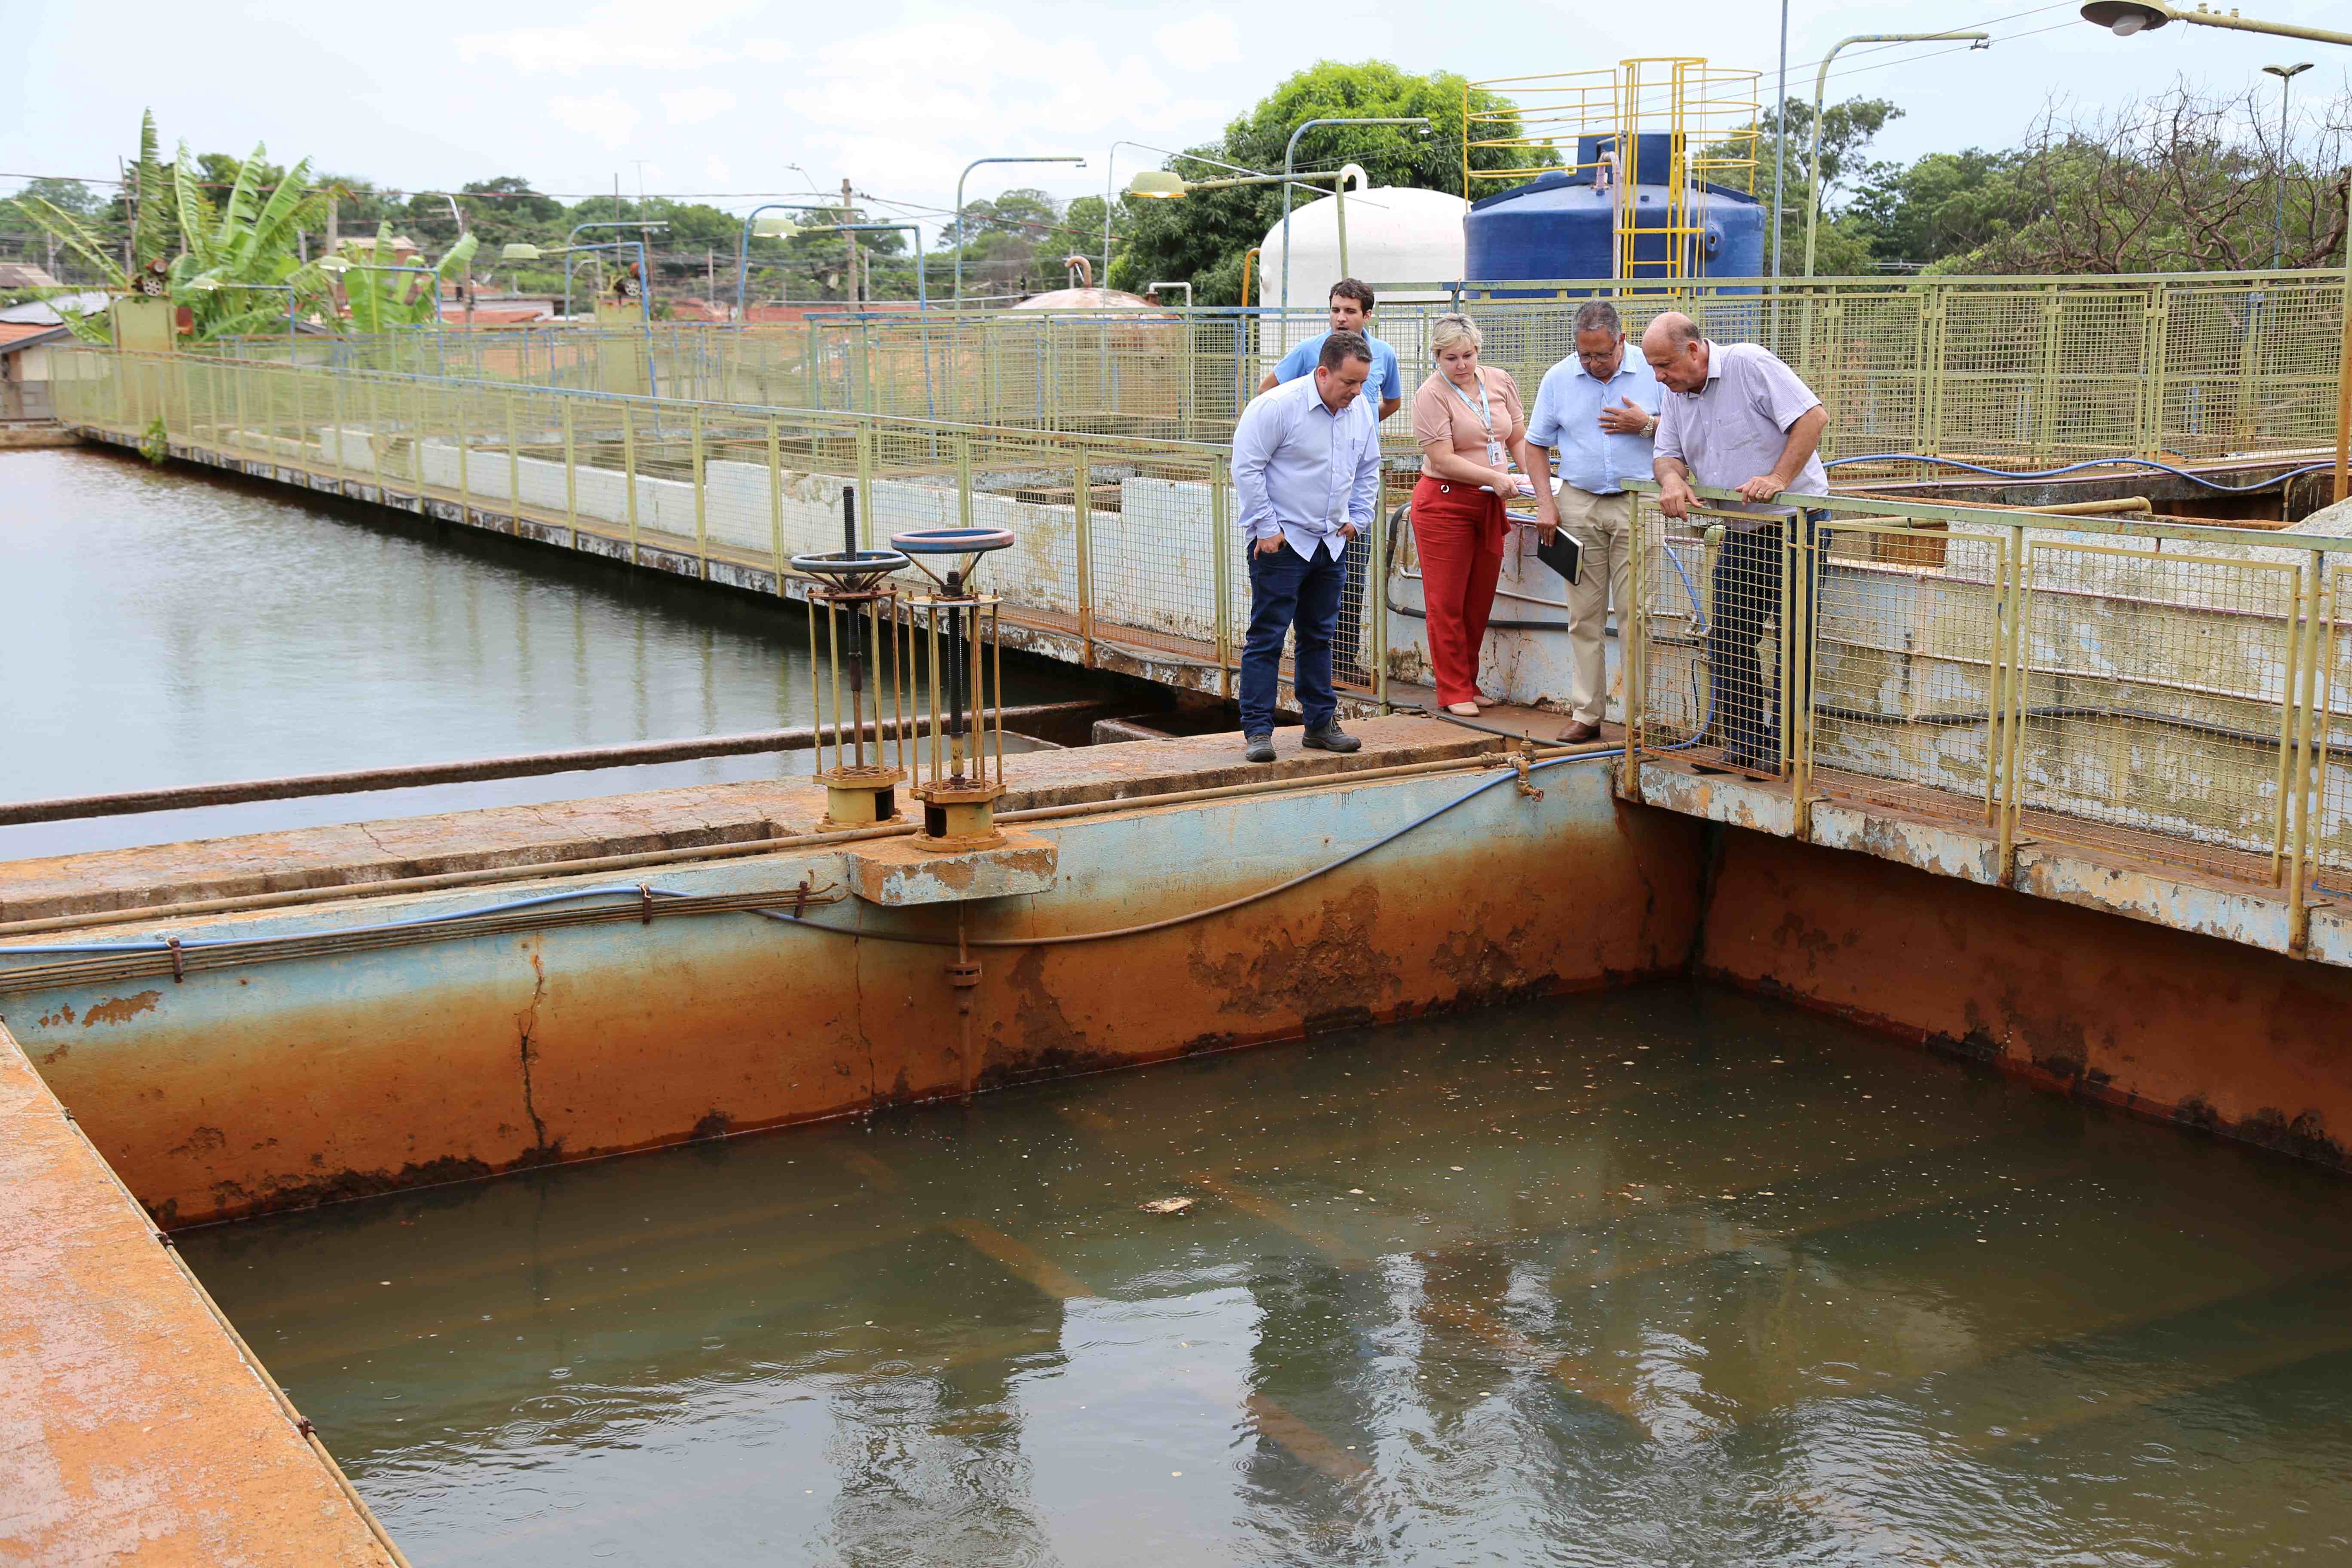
[(1559, 226)]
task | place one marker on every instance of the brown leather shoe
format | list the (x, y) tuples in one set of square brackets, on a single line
[(1580, 734)]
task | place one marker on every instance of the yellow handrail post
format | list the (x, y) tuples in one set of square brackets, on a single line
[(514, 467), (2298, 911), (570, 472), (776, 502), (963, 481), (1219, 551), (2286, 787), (866, 499), (1081, 493), (2020, 653), (702, 495), (629, 472), (465, 462)]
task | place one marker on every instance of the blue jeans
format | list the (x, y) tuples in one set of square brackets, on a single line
[(1287, 593)]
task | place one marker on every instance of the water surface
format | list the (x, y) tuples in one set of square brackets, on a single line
[(1667, 1277), (171, 627)]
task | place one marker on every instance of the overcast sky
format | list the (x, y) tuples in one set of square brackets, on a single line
[(726, 97)]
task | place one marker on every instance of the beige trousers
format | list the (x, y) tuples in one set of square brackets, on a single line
[(1602, 527)]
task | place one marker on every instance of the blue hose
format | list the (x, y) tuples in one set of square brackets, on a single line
[(1699, 619), (2078, 467)]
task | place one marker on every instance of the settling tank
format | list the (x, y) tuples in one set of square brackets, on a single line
[(1559, 226), (1394, 236)]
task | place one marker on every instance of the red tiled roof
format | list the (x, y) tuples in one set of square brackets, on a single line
[(12, 331)]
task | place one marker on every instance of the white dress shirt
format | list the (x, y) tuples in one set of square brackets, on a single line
[(1303, 472)]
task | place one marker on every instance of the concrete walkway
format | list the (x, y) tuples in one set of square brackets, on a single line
[(134, 1426)]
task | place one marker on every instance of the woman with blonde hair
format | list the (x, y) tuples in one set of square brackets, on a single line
[(1471, 426)]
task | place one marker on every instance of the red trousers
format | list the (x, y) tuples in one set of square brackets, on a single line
[(1458, 530)]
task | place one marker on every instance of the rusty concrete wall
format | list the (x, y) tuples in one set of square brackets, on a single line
[(2212, 1035), (133, 1425), (245, 1090)]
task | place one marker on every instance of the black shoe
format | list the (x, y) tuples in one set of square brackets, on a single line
[(1260, 749), (1331, 738)]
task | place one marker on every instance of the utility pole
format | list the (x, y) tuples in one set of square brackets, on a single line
[(849, 215)]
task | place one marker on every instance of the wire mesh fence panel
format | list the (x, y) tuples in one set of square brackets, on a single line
[(1715, 598), (1156, 527), (1992, 351), (2152, 702), (1905, 664)]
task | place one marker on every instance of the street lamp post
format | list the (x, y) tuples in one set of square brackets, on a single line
[(922, 294), (645, 272), (1289, 161), (968, 168), (743, 246), (1109, 174), (2286, 75), (1820, 87), (2126, 17)]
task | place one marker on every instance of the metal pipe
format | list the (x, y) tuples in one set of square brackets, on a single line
[(1779, 147), (975, 163), (642, 753), (617, 222), (2286, 75), (1821, 86), (544, 870)]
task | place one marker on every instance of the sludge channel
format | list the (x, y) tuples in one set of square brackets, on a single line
[(1547, 1245)]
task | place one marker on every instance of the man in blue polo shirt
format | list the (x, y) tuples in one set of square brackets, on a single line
[(1351, 310), (1600, 410)]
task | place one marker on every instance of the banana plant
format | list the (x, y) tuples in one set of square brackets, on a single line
[(381, 297), (151, 237), (228, 265)]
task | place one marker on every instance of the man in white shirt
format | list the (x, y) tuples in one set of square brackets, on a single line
[(1306, 469), (1736, 418)]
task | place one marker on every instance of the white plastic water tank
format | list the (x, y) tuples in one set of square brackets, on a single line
[(1395, 235)]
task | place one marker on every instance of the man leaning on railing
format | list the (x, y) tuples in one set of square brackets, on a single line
[(1736, 418)]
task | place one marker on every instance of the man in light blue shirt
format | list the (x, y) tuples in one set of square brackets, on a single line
[(1306, 469), (1351, 311), (1600, 410)]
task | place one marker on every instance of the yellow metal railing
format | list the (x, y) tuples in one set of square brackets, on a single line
[(2163, 689), (2010, 371), (2157, 690), (1126, 545)]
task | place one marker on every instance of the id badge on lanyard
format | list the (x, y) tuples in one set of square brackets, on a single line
[(1494, 456)]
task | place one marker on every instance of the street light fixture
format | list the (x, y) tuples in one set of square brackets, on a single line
[(968, 168), (2126, 17), (754, 226), (1157, 185), (1145, 184), (2286, 75), (1820, 87), (1289, 158)]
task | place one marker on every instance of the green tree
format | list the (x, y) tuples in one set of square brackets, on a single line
[(1847, 131), (66, 196), (1203, 238)]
